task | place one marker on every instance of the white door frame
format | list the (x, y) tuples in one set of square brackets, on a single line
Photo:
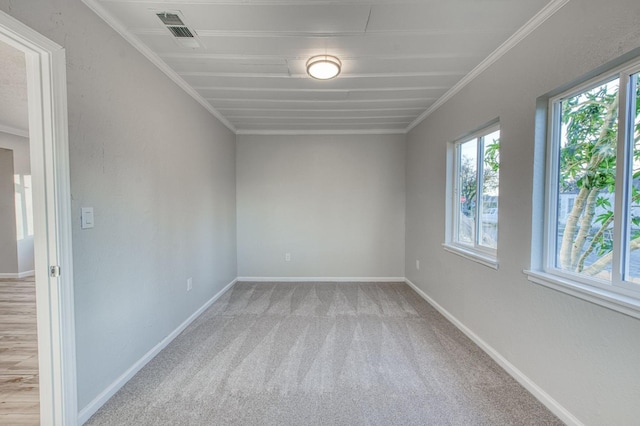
[(48, 134)]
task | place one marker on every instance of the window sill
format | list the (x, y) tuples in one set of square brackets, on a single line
[(608, 299), (482, 259)]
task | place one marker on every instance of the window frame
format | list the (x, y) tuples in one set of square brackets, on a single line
[(475, 251), (617, 294)]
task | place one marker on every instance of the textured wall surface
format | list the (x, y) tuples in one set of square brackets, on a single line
[(336, 203), (583, 355), (159, 171)]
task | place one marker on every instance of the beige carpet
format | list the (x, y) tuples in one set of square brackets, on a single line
[(322, 354)]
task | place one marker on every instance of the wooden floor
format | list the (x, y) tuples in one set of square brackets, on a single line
[(19, 403)]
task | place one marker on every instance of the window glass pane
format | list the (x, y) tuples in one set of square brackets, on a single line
[(28, 201), (490, 178), (467, 184), (633, 238), (586, 181), (19, 212)]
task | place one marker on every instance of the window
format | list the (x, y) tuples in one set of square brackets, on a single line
[(473, 213), (592, 223), (24, 206)]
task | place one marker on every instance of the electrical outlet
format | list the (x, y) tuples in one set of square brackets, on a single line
[(418, 265), (287, 257), (189, 284)]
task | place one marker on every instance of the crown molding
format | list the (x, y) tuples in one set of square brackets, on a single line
[(14, 131), (320, 132), (266, 56), (320, 110), (547, 12), (303, 76), (321, 34), (155, 59), (299, 89), (272, 2), (320, 101)]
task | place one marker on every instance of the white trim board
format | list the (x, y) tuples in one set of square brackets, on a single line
[(546, 399), (91, 408), (547, 12), (321, 132), (26, 274), (9, 275), (17, 275), (324, 279)]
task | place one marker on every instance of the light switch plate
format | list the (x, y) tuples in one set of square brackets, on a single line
[(86, 217)]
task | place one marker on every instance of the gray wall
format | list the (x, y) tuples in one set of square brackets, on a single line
[(22, 167), (336, 203), (583, 355), (159, 171), (8, 246)]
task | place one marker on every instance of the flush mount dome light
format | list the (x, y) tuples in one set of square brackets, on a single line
[(323, 67)]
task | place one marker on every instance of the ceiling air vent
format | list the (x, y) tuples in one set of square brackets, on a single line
[(181, 33), (170, 19)]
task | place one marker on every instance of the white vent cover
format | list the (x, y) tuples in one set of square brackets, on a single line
[(181, 32), (178, 29), (170, 18)]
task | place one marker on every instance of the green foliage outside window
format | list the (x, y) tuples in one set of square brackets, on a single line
[(588, 155)]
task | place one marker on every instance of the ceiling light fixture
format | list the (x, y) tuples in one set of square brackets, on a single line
[(323, 67)]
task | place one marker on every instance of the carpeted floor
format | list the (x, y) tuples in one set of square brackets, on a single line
[(322, 354)]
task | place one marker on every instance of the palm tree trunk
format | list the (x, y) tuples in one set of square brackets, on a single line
[(585, 226), (571, 228), (597, 266), (592, 245)]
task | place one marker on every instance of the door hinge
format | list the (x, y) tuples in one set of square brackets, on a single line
[(54, 271)]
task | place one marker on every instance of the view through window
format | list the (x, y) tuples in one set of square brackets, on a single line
[(595, 175), (475, 198)]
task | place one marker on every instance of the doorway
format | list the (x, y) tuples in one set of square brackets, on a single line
[(19, 392), (52, 265)]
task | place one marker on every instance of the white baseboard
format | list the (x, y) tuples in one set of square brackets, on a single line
[(553, 405), (104, 396), (324, 279), (26, 274), (17, 275)]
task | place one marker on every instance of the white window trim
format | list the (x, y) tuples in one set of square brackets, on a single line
[(477, 253), (599, 296), (490, 261), (617, 295)]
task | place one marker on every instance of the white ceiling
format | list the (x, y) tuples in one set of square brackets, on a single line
[(14, 115), (399, 57)]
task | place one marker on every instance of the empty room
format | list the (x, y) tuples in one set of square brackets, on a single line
[(359, 212)]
